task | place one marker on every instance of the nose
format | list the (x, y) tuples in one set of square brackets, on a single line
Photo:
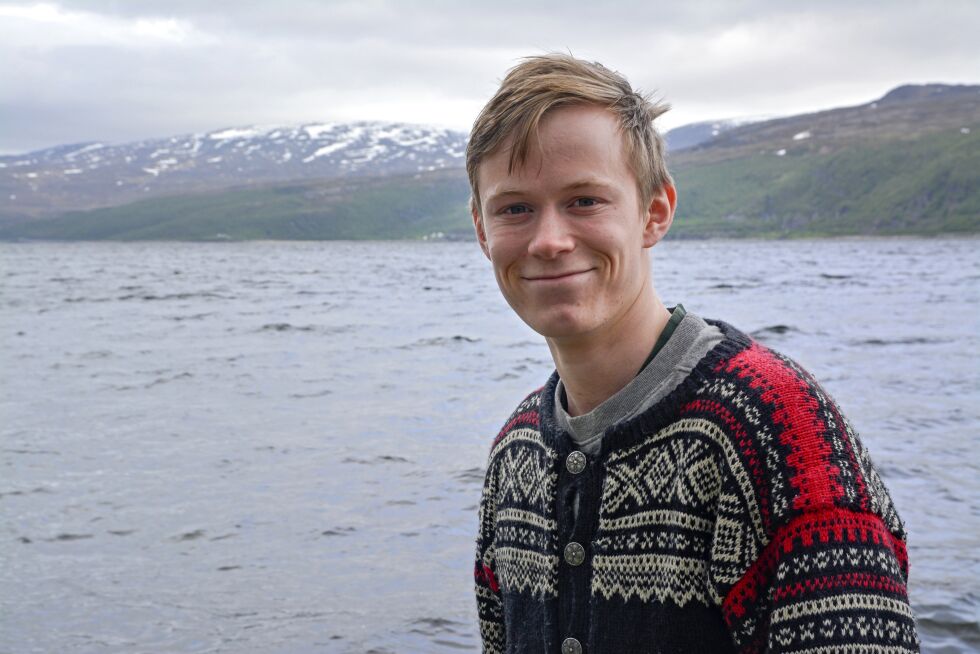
[(552, 235)]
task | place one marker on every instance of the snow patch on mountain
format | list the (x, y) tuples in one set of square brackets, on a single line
[(235, 133), (227, 157), (325, 150)]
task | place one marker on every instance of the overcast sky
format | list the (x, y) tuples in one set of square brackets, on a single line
[(117, 71)]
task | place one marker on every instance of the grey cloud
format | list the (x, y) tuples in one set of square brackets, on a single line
[(304, 60)]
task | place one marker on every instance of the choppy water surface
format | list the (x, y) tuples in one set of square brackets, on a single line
[(278, 447)]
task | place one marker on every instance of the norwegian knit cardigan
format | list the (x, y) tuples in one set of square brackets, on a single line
[(739, 514)]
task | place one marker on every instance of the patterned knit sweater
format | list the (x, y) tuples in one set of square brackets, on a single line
[(739, 514)]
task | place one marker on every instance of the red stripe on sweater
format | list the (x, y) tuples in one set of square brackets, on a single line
[(528, 418), (850, 581), (819, 527), (797, 411), (484, 575)]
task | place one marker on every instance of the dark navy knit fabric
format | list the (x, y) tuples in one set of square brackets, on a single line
[(739, 514)]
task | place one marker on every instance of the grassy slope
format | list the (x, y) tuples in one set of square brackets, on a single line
[(924, 185), (392, 207)]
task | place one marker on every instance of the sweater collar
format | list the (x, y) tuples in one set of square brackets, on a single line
[(659, 415)]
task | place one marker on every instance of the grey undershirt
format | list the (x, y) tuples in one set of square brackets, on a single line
[(692, 339)]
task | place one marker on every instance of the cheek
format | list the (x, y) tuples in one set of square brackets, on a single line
[(502, 262), (504, 250), (623, 256)]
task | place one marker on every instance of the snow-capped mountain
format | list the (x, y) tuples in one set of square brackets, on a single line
[(95, 174)]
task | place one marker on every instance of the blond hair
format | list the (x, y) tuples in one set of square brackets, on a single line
[(542, 83)]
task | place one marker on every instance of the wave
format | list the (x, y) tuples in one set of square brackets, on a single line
[(778, 330)]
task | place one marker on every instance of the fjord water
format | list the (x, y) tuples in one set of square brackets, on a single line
[(279, 447)]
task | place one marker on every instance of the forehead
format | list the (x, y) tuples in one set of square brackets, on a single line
[(571, 141)]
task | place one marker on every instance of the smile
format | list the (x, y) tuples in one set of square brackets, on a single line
[(556, 277)]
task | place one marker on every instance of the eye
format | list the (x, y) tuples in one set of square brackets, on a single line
[(515, 210), (585, 203)]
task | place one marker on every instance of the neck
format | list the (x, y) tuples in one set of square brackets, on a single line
[(596, 366)]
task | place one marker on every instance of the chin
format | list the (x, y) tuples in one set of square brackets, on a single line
[(558, 326)]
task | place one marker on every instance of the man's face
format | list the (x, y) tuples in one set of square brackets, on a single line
[(566, 232)]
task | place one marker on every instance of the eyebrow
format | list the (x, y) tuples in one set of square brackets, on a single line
[(504, 194), (591, 182)]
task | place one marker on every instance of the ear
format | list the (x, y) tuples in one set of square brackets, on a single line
[(481, 234), (660, 215)]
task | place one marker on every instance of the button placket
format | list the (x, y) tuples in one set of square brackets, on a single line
[(578, 480)]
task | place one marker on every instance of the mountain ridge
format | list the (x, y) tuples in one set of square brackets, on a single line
[(908, 162), (94, 175)]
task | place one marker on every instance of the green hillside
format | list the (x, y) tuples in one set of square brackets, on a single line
[(410, 206), (929, 184)]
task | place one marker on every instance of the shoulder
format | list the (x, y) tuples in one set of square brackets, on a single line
[(789, 439), (523, 425)]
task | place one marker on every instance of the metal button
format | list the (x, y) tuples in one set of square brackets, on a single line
[(574, 554), (571, 646), (575, 462)]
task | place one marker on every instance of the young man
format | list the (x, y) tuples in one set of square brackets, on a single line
[(675, 486)]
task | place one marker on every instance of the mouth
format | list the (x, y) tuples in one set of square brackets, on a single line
[(556, 277)]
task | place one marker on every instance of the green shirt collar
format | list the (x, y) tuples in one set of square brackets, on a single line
[(676, 316)]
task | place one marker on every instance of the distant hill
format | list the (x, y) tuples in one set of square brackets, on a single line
[(393, 207), (908, 163), (688, 136)]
